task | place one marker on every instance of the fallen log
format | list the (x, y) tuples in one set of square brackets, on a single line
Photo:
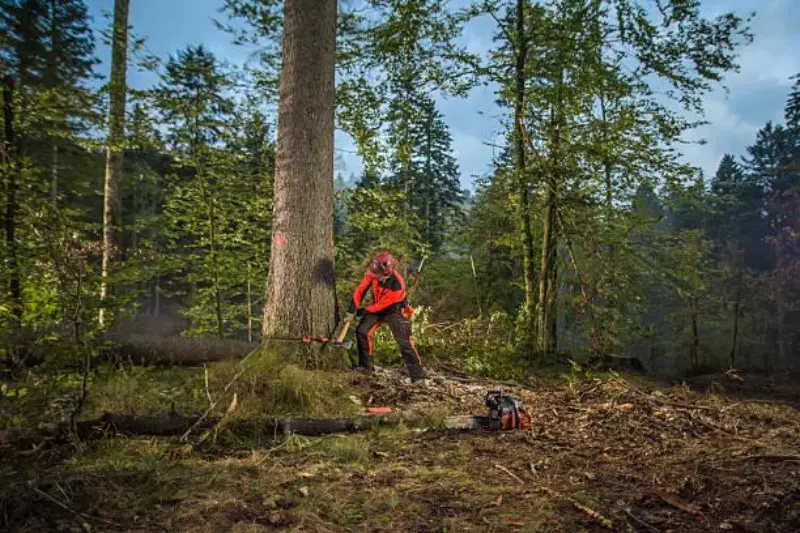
[(114, 425), (182, 351)]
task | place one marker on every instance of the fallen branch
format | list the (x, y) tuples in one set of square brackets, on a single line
[(639, 521), (772, 458), (681, 505), (588, 511), (510, 473), (81, 519)]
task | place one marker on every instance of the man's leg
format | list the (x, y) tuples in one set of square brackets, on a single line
[(401, 330), (364, 333)]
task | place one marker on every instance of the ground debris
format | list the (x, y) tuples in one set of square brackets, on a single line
[(627, 456)]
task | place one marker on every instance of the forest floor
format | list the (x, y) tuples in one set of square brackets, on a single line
[(605, 453)]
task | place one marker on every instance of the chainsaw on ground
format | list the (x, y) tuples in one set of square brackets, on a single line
[(505, 413)]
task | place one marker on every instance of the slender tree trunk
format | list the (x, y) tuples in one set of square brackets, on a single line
[(780, 298), (695, 350), (736, 311), (114, 151), (547, 272), (249, 308), (301, 295), (428, 178), (54, 176), (546, 341), (11, 169), (212, 222), (524, 213), (50, 82)]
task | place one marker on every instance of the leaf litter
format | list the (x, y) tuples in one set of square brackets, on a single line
[(603, 454)]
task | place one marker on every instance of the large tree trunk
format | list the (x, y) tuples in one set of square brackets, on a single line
[(522, 173), (116, 136), (10, 168), (301, 293)]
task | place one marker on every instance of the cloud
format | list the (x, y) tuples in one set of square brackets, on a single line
[(757, 93)]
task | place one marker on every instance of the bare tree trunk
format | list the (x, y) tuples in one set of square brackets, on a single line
[(524, 212), (546, 273), (301, 295), (780, 299), (249, 308), (114, 151), (54, 177), (695, 350), (212, 222), (11, 170), (736, 310)]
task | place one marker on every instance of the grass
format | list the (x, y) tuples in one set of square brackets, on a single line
[(387, 479)]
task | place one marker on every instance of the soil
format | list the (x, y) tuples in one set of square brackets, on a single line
[(603, 454)]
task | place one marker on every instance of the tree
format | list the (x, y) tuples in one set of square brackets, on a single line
[(10, 174), (116, 136), (192, 100), (575, 68), (50, 45), (301, 296)]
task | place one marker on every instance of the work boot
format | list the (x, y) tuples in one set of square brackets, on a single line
[(363, 369), (417, 374)]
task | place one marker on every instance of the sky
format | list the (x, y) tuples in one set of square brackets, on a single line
[(754, 95)]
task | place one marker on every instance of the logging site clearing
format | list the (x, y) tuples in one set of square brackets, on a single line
[(604, 452)]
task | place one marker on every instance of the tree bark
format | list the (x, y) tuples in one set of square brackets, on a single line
[(114, 152), (546, 341), (736, 306), (301, 296), (11, 170), (695, 350), (522, 172), (546, 323)]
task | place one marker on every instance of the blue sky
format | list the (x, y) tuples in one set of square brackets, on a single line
[(756, 94)]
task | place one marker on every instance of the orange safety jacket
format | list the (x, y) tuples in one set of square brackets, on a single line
[(387, 296)]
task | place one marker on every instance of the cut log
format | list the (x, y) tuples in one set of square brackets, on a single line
[(144, 349)]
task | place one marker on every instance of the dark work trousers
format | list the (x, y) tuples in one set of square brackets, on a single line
[(401, 330)]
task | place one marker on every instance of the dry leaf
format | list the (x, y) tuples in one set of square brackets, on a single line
[(304, 491)]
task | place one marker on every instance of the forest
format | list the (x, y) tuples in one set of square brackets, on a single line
[(180, 265)]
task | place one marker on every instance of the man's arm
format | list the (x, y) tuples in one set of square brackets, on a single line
[(358, 294)]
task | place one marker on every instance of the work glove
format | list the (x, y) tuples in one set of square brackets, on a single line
[(361, 312), (352, 307)]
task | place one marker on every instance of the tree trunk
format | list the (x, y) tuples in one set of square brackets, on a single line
[(212, 222), (54, 177), (546, 326), (11, 170), (522, 173), (114, 151), (780, 301), (50, 82), (301, 296), (249, 309), (546, 341), (695, 351), (736, 309)]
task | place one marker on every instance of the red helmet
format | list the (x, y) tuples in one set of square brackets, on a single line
[(383, 265)]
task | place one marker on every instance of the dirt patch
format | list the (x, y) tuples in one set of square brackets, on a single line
[(604, 454)]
